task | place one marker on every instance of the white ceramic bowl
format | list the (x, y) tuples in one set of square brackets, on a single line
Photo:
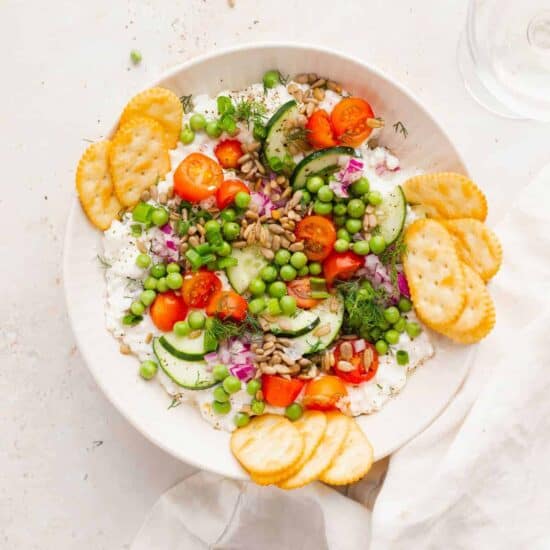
[(181, 431)]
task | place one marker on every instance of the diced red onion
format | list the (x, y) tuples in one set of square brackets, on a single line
[(340, 190), (403, 285), (212, 358), (166, 228), (171, 245), (243, 372), (359, 345), (264, 203)]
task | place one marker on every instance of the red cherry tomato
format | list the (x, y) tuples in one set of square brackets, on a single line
[(341, 265), (199, 287), (227, 304), (350, 120), (279, 391), (320, 133), (197, 177), (167, 309), (226, 192), (319, 236), (359, 373), (301, 290), (228, 152), (323, 393)]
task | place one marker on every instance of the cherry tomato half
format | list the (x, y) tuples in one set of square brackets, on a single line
[(341, 265), (197, 177), (319, 236), (227, 304), (167, 309), (360, 373), (350, 121), (323, 393), (228, 152), (199, 287), (226, 192), (301, 290), (279, 391), (320, 133)]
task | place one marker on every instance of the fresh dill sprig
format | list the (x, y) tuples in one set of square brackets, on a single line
[(400, 128), (251, 112), (103, 262), (219, 330), (175, 403), (296, 135), (393, 255), (187, 102)]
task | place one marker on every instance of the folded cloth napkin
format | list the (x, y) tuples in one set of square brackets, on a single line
[(476, 478)]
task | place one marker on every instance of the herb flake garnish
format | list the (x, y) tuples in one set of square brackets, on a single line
[(103, 262), (187, 103), (393, 255), (400, 128), (175, 403), (219, 330)]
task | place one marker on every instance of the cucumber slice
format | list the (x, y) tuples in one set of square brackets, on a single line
[(275, 145), (312, 343), (391, 215), (191, 375), (183, 347), (291, 327), (321, 163), (249, 264)]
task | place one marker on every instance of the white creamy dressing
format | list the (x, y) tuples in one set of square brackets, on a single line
[(124, 278)]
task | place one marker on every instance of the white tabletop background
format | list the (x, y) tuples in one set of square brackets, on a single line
[(73, 473)]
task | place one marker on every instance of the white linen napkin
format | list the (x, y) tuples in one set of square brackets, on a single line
[(476, 478)]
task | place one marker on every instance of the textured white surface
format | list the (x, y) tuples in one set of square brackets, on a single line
[(73, 473)]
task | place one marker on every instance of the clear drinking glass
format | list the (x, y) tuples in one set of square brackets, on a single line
[(504, 56)]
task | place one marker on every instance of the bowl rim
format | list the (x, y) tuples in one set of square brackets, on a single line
[(167, 74)]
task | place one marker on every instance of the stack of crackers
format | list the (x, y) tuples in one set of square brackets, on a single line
[(112, 174), (451, 255)]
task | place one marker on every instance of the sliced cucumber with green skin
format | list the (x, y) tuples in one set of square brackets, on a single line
[(276, 145), (291, 327), (391, 215), (249, 264), (310, 342), (321, 163), (183, 347), (191, 375)]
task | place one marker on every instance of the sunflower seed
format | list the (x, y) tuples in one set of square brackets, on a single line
[(276, 243), (140, 245), (247, 167), (276, 229), (269, 370), (194, 241), (251, 215), (301, 78), (296, 247), (244, 158), (238, 244), (368, 357), (334, 86), (372, 220), (345, 366), (145, 196), (319, 94), (312, 77), (267, 254), (322, 330), (346, 351), (194, 334), (148, 337), (124, 349)]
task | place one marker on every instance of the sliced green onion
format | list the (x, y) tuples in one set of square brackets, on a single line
[(182, 227), (130, 319), (402, 357), (195, 259), (275, 163), (224, 263), (214, 237), (225, 105), (142, 212), (210, 261), (136, 229), (203, 249), (319, 294), (228, 124)]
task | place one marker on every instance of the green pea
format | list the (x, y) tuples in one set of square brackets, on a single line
[(314, 183), (302, 272), (213, 129), (162, 286), (341, 245), (212, 226), (187, 135), (256, 306), (150, 283), (306, 197), (377, 244), (288, 305), (360, 187), (356, 208), (241, 419), (147, 297), (160, 216), (137, 308), (256, 287), (158, 271), (400, 325), (361, 247), (148, 369), (381, 347), (391, 314), (220, 395), (294, 411), (322, 208), (340, 210), (174, 280), (197, 122), (354, 225), (402, 357), (221, 407), (136, 57), (271, 79), (228, 215), (340, 221), (196, 320), (242, 199), (343, 234), (181, 328), (287, 273), (298, 260), (325, 194), (413, 329), (268, 273), (223, 249), (173, 267), (391, 336), (231, 230), (143, 261), (259, 131), (220, 372), (231, 384), (277, 289), (257, 407), (273, 307), (404, 305), (315, 268), (282, 256), (253, 387), (375, 198)]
